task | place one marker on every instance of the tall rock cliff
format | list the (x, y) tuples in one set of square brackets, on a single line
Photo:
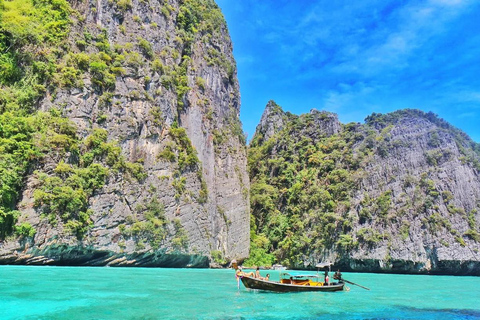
[(400, 193), (137, 153)]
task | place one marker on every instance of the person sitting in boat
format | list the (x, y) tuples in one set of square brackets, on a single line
[(267, 277), (257, 273), (241, 273)]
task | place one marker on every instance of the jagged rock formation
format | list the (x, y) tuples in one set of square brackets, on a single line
[(274, 120), (400, 193), (152, 171)]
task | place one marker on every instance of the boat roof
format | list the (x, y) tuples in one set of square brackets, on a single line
[(298, 275), (324, 264)]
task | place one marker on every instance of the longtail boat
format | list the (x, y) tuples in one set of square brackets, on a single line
[(291, 283)]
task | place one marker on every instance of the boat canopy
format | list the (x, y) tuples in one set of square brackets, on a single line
[(324, 264), (295, 275)]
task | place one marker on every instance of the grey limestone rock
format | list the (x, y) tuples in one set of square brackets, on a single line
[(205, 204), (413, 205)]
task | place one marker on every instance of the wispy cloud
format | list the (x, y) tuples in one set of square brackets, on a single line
[(367, 56), (467, 115)]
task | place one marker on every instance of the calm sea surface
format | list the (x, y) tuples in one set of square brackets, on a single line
[(140, 293)]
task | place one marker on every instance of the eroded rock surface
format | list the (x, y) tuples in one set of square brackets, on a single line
[(400, 193), (160, 80)]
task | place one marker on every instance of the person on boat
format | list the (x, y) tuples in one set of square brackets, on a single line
[(241, 273), (337, 275), (257, 273), (325, 283), (267, 277)]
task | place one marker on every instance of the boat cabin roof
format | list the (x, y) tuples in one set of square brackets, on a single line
[(324, 265), (287, 275)]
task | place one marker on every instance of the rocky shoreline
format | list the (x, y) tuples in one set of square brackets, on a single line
[(63, 255)]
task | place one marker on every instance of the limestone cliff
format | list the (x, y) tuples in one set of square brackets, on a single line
[(153, 170), (400, 193)]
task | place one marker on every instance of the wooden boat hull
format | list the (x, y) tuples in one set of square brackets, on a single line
[(253, 283)]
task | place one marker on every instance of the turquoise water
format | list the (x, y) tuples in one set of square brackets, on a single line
[(140, 293)]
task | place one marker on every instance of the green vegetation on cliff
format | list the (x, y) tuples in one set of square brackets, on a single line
[(85, 88), (301, 189), (31, 35), (33, 45), (469, 148), (64, 193), (311, 192)]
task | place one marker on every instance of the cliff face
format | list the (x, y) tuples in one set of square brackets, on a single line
[(399, 193), (152, 171)]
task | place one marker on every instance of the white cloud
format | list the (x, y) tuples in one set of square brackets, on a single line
[(272, 37), (359, 57), (448, 2), (466, 115), (347, 95), (245, 59), (467, 96), (389, 45)]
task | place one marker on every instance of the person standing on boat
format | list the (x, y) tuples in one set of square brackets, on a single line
[(257, 273), (325, 283), (337, 275)]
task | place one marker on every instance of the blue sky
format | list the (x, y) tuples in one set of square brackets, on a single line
[(358, 57)]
